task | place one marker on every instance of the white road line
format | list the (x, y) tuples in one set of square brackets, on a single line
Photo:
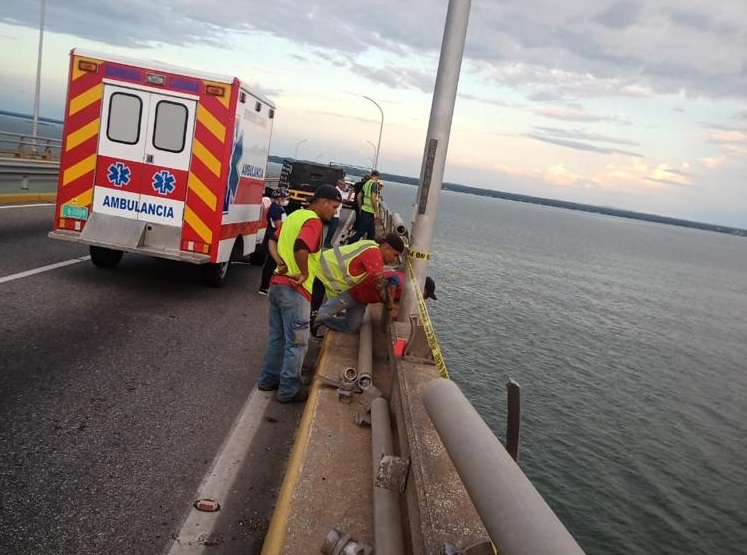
[(26, 205), (35, 271), (217, 483)]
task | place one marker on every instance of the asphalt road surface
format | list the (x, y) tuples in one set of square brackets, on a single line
[(118, 391)]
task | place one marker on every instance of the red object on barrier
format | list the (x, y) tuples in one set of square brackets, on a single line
[(399, 347)]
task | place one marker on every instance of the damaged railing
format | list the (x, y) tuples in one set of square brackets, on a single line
[(516, 517)]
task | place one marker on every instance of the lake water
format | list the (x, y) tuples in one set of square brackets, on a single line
[(629, 340)]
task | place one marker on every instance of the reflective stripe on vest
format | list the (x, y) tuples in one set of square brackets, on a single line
[(335, 266), (367, 202), (287, 240)]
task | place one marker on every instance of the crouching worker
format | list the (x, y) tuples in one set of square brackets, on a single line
[(294, 248), (354, 302), (340, 269)]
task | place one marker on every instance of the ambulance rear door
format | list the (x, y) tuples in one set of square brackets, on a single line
[(144, 152)]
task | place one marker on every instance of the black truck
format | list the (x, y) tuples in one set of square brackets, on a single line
[(303, 178)]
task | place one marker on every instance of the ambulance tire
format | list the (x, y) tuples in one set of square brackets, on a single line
[(215, 274), (105, 258)]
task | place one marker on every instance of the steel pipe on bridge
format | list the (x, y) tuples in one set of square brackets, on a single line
[(517, 518)]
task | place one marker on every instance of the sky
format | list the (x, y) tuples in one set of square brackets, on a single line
[(638, 105)]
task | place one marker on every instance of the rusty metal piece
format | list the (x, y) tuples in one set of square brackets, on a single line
[(344, 395), (363, 419), (364, 381), (349, 374), (392, 473), (337, 543), (479, 548)]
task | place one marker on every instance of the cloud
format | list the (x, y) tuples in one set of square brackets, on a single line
[(619, 15), (548, 50), (583, 135), (566, 114), (665, 181), (578, 145)]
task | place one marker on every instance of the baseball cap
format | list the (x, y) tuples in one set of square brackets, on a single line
[(394, 241), (329, 192), (429, 290)]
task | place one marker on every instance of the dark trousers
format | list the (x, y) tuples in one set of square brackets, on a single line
[(331, 228), (270, 263), (317, 298), (367, 226)]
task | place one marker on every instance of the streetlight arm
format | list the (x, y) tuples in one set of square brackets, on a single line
[(381, 128)]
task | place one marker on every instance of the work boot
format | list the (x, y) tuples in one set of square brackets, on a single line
[(299, 397)]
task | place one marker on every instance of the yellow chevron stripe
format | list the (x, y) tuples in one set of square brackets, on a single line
[(206, 157), (85, 99), (79, 73), (198, 225), (83, 199), (200, 189), (83, 134), (226, 98), (211, 122), (81, 168)]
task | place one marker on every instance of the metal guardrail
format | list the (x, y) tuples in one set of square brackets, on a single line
[(28, 168), (514, 513), (27, 147), (28, 156)]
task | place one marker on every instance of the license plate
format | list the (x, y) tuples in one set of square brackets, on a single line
[(74, 212)]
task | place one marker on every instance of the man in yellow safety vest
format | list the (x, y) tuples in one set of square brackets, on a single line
[(295, 248), (368, 200), (339, 269)]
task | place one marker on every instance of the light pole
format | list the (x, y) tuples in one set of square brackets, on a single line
[(35, 125), (373, 160), (299, 143), (381, 128)]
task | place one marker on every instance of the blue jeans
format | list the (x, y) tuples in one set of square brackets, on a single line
[(350, 323), (287, 341)]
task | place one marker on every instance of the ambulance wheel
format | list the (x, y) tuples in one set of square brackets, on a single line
[(215, 274), (105, 258)]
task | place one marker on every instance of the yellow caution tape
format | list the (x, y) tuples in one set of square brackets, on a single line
[(419, 255), (425, 319)]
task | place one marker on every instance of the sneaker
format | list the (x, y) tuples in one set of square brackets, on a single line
[(267, 387), (262, 291), (299, 397)]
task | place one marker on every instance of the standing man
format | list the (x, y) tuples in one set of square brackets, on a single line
[(298, 243), (368, 200), (334, 222)]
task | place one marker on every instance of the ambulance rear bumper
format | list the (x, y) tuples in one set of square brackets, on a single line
[(182, 256)]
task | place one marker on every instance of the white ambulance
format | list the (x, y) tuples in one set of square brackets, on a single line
[(162, 161)]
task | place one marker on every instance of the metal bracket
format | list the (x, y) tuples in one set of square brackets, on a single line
[(337, 543), (479, 548), (417, 348), (392, 473)]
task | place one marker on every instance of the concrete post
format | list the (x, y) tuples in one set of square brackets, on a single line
[(436, 144)]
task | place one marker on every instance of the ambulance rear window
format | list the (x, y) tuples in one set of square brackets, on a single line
[(124, 118), (170, 128)]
